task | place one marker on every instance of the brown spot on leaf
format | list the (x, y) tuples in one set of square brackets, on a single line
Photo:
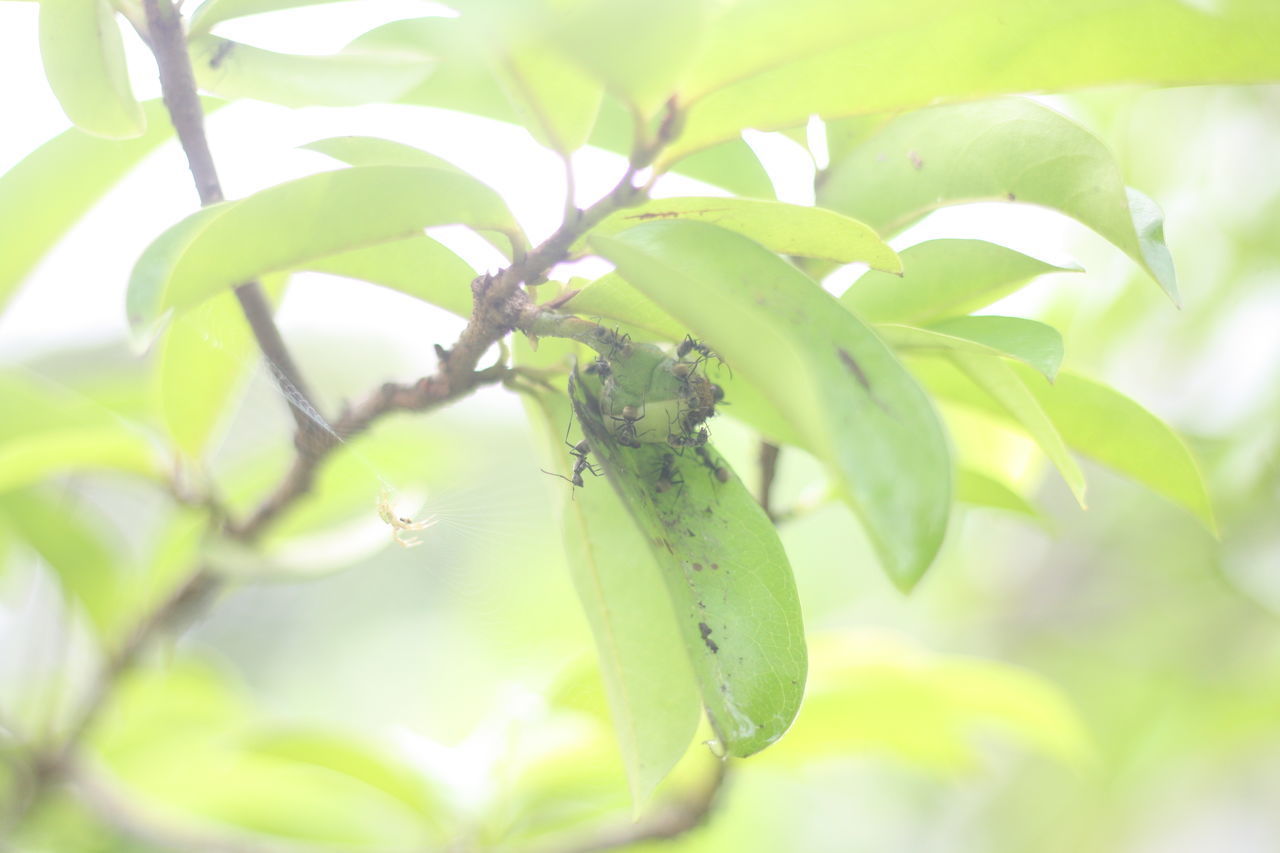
[(697, 567), (916, 162), (705, 630), (851, 364)]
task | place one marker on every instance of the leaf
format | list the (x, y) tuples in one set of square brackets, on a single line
[(645, 673), (1103, 423), (858, 410), (465, 82), (875, 693), (556, 101), (942, 279), (32, 458), (979, 489), (652, 695), (203, 358), (52, 187), (768, 67), (998, 379), (83, 57), (417, 266), (611, 296), (83, 562), (213, 12), (726, 574), (375, 151), (463, 79), (1009, 149), (47, 430), (1028, 341), (639, 49), (1036, 344), (353, 758), (289, 225), (234, 70), (789, 229)]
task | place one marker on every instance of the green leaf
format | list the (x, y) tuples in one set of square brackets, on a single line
[(726, 574), (639, 49), (464, 81), (1102, 423), (203, 358), (83, 562), (353, 758), (47, 430), (1033, 343), (213, 12), (998, 379), (83, 57), (418, 266), (555, 100), (841, 388), (611, 296), (941, 279), (292, 224), (52, 187), (877, 694), (235, 70), (769, 67), (789, 229), (979, 489), (375, 151), (1010, 149), (109, 446), (645, 673), (648, 681)]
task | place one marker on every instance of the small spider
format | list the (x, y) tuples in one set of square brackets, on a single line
[(400, 524)]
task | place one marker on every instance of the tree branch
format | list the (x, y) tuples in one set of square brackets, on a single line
[(168, 43), (675, 819)]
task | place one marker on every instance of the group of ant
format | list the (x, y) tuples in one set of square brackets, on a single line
[(687, 430)]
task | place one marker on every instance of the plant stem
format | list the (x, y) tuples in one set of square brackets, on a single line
[(178, 86)]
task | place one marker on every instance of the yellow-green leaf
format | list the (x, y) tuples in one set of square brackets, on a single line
[(789, 229), (83, 57), (941, 279), (234, 70), (840, 387), (1009, 149)]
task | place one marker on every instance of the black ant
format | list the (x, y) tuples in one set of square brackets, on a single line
[(689, 439), (600, 367), (626, 429), (668, 476), (578, 451), (618, 343), (704, 352), (720, 472)]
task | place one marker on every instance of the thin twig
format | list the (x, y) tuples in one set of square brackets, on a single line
[(178, 86), (769, 453), (673, 820)]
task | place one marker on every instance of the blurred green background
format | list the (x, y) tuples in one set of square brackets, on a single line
[(1099, 680)]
